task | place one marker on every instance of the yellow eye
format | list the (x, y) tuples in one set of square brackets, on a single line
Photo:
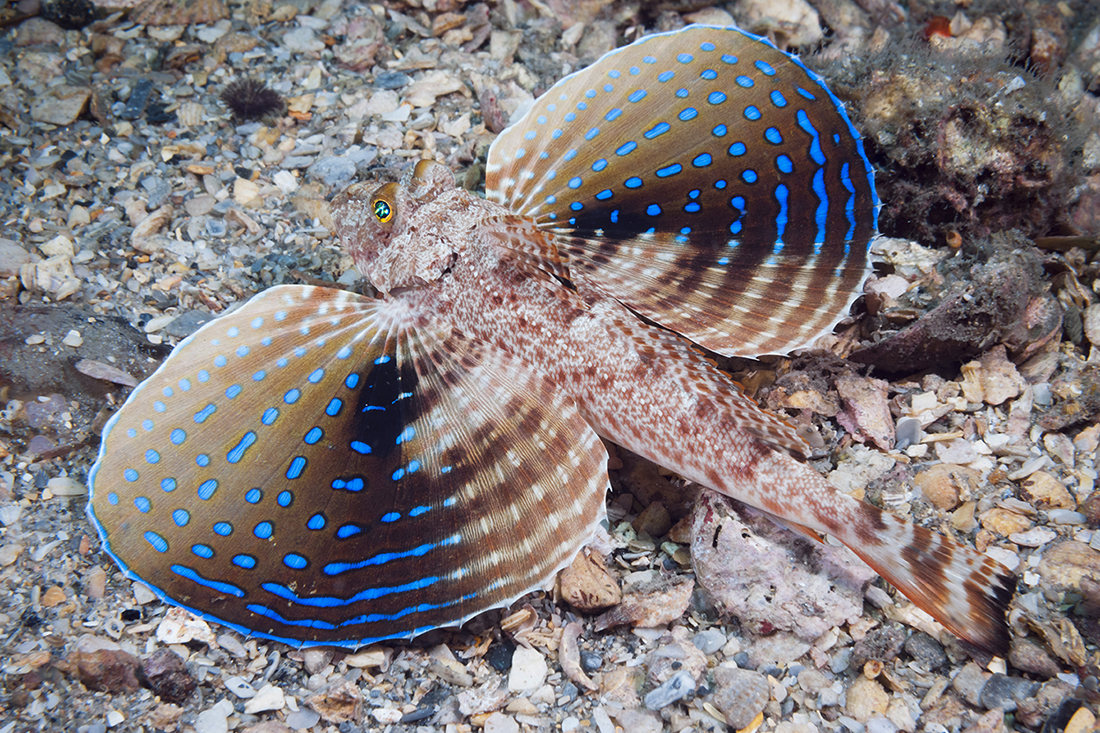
[(383, 212)]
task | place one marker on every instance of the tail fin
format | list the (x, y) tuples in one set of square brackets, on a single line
[(964, 590)]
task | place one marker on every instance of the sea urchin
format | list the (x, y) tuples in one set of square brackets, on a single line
[(249, 99)]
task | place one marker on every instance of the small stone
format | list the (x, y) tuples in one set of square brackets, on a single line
[(866, 699), (587, 585), (709, 641), (1065, 564), (1044, 491), (651, 604), (991, 722), (168, 676), (9, 554), (391, 80), (245, 191), (54, 596), (114, 718), (339, 704), (676, 687), (239, 687), (620, 685), (1027, 656), (500, 723), (334, 171), (1004, 692), (59, 246), (638, 721), (880, 724), (302, 40), (740, 694), (66, 486), (969, 683), (303, 719), (61, 106), (95, 583), (269, 697), (73, 339), (1005, 522), (528, 670), (214, 719), (1034, 537), (925, 651), (180, 627), (102, 665), (943, 483), (143, 595), (654, 520), (200, 205)]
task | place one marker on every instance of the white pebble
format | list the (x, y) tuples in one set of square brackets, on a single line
[(1066, 516), (240, 687), (1034, 537), (73, 338), (269, 697), (528, 670)]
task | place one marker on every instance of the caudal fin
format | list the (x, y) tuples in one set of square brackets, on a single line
[(964, 590)]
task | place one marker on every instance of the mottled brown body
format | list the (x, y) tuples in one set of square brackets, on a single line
[(452, 257)]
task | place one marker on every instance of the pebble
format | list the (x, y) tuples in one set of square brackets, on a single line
[(1004, 692), (709, 641), (925, 651), (302, 40), (500, 723), (168, 676), (303, 719), (214, 719), (676, 687), (528, 670), (866, 699), (268, 697), (880, 724), (1034, 537), (391, 80), (740, 694), (334, 171), (239, 687)]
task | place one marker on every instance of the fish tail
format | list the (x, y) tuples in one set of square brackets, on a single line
[(961, 588)]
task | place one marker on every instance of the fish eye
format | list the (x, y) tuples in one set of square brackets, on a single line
[(382, 210)]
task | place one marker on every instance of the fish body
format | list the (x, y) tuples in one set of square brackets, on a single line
[(321, 467)]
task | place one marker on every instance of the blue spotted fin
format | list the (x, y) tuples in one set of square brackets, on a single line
[(706, 180), (322, 468)]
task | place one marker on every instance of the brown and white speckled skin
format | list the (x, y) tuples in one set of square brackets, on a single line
[(477, 267)]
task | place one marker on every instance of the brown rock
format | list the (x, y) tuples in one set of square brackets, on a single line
[(740, 694), (1044, 491), (54, 596), (1065, 563), (650, 604), (110, 670), (621, 685), (587, 586), (168, 676), (1034, 711), (943, 483), (1004, 522), (338, 705), (1027, 656), (991, 722), (61, 106), (866, 410), (1090, 507), (654, 520), (866, 699)]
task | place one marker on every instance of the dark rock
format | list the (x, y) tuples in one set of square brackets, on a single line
[(925, 651), (168, 676), (883, 645), (187, 323), (1004, 692), (391, 80), (499, 655)]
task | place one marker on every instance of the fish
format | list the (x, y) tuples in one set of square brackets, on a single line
[(321, 467)]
